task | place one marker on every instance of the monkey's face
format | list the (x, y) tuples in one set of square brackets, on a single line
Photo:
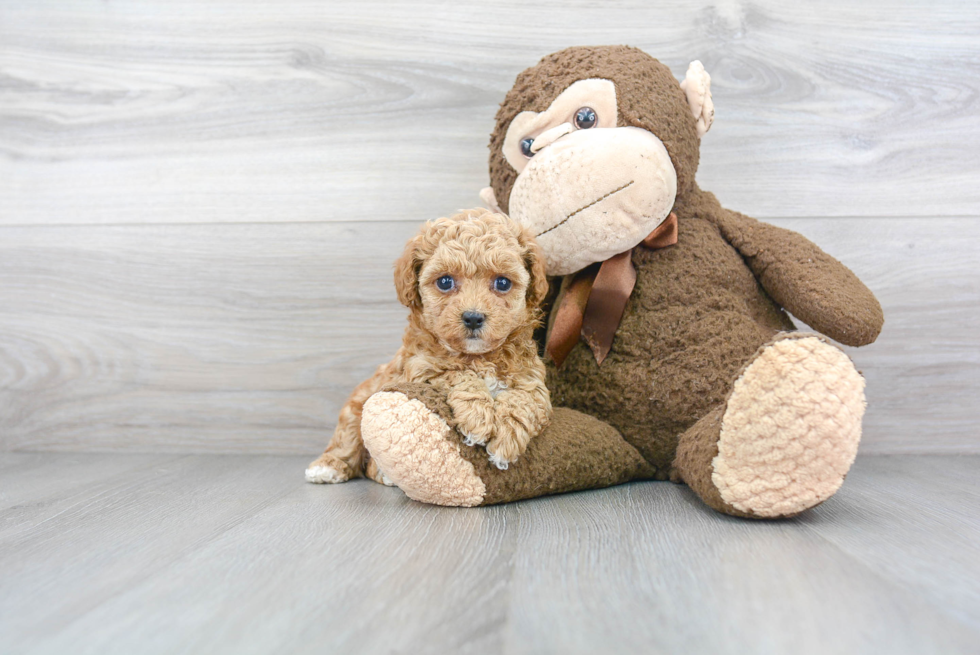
[(593, 178), (587, 189)]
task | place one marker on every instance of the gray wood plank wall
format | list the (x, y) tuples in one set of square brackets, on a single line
[(200, 202)]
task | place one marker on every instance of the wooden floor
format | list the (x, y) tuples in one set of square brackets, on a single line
[(211, 554)]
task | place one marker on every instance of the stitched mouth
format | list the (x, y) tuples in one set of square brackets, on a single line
[(582, 209)]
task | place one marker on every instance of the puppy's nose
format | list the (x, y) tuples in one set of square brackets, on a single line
[(473, 320)]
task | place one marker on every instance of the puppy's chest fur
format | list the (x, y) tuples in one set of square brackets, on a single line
[(495, 382), (421, 367), (495, 386), (490, 374)]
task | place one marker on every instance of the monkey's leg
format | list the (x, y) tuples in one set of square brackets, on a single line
[(786, 436), (409, 431)]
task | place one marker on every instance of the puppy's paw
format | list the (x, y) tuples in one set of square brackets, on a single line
[(328, 470), (372, 472), (501, 464), (324, 475), (474, 420), (472, 439), (509, 444)]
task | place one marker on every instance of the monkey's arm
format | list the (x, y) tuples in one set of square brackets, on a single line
[(812, 285)]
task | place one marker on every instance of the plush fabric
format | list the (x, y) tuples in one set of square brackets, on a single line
[(696, 315), (706, 380), (410, 431), (655, 102), (581, 197), (791, 428), (417, 449), (600, 95)]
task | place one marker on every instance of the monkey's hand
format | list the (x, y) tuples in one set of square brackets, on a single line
[(812, 285)]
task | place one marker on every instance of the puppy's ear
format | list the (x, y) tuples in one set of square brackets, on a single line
[(537, 288), (407, 269), (418, 250)]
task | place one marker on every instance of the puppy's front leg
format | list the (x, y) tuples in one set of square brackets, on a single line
[(469, 398), (520, 414)]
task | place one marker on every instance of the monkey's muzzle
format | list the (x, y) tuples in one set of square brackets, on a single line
[(593, 194)]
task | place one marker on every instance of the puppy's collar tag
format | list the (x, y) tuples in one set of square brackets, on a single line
[(595, 298)]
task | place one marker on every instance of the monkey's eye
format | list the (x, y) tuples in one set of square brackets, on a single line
[(526, 147), (445, 283), (502, 284), (585, 118)]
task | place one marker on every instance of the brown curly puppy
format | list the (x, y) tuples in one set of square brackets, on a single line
[(474, 284)]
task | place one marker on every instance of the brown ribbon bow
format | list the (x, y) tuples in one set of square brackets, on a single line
[(594, 299)]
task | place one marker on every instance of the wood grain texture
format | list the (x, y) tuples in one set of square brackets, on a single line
[(105, 537), (28, 484), (199, 202), (247, 338), (936, 495), (217, 554), (372, 111), (690, 580), (191, 338)]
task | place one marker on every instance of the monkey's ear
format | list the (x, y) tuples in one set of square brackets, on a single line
[(697, 86), (489, 199), (407, 269)]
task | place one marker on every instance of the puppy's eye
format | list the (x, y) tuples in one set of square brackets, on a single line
[(526, 147), (445, 283), (585, 118), (502, 284)]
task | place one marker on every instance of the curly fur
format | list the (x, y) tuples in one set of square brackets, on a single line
[(493, 378)]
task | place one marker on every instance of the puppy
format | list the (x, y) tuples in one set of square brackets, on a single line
[(473, 284)]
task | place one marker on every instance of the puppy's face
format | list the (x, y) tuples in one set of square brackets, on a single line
[(473, 279), (473, 293)]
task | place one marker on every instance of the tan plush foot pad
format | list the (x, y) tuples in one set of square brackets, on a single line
[(791, 428), (412, 446)]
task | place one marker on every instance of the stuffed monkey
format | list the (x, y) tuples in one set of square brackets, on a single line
[(669, 349)]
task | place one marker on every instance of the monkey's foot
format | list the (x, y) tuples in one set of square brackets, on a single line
[(418, 450), (787, 436)]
